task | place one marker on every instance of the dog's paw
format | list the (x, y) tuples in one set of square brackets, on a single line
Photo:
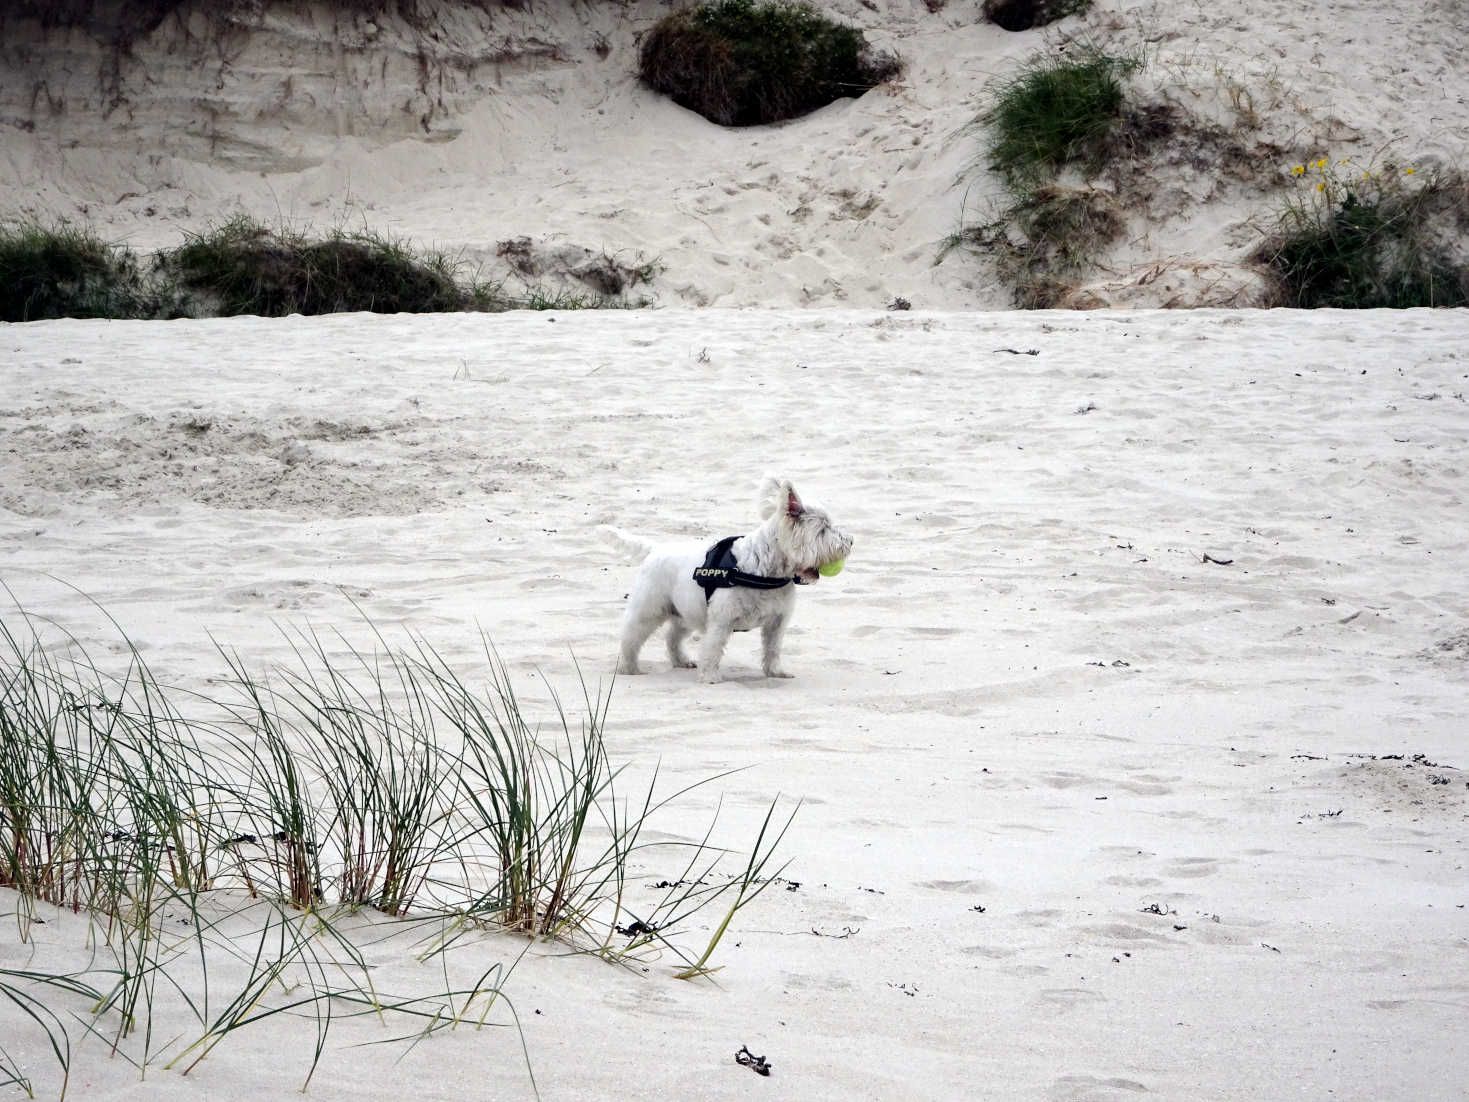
[(710, 677), (778, 673), (682, 663)]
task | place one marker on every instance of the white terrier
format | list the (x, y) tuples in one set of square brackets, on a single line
[(738, 584)]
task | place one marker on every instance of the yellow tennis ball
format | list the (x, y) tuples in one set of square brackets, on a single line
[(831, 569)]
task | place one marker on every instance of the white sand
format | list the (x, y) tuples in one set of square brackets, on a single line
[(1027, 692)]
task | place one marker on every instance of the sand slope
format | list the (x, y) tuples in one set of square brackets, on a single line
[(469, 128), (1183, 792)]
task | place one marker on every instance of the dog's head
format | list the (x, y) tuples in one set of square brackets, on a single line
[(802, 530)]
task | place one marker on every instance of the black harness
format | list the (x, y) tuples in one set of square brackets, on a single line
[(720, 572)]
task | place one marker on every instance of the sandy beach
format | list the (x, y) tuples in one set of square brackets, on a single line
[(1128, 745)]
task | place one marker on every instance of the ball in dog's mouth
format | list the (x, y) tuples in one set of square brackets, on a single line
[(832, 569)]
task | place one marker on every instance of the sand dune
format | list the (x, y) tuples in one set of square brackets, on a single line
[(466, 128)]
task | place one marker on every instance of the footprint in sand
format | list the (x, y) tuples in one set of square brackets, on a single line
[(1133, 881), (293, 594), (1068, 998), (959, 887), (1145, 785), (1046, 917), (1090, 1088), (1065, 780), (1191, 867), (1124, 931), (989, 952)]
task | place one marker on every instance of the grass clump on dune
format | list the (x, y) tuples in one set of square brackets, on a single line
[(246, 268), (747, 62), (1055, 113), (243, 267), (1051, 122), (66, 272), (1023, 15), (1360, 239)]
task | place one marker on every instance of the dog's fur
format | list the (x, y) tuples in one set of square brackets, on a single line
[(793, 540)]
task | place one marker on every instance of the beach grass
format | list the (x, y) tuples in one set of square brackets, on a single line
[(245, 267), (1379, 236), (229, 853), (63, 271), (746, 886), (241, 266), (1049, 129), (750, 62), (1023, 15), (1054, 113)]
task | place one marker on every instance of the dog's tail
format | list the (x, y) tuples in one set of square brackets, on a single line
[(630, 545)]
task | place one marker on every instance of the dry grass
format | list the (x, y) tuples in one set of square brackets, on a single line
[(373, 777), (1046, 240)]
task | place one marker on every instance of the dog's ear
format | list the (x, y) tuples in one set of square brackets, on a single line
[(794, 508), (774, 495)]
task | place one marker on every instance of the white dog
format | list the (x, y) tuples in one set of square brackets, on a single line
[(737, 584)]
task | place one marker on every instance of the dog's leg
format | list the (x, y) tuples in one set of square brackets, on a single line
[(678, 631), (716, 634), (771, 635), (635, 632)]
